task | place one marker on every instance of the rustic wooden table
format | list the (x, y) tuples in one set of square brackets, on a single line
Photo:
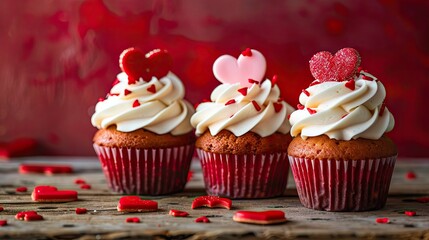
[(103, 221)]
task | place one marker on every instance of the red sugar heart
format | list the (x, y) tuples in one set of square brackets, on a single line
[(178, 213), (202, 219), (211, 202), (382, 220), (132, 220), (137, 65), (28, 216), (277, 107), (46, 169), (264, 217), (342, 66), (52, 194), (81, 210), (136, 204), (3, 223), (410, 213), (21, 189)]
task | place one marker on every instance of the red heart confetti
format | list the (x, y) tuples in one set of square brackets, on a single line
[(243, 91), (311, 111), (410, 175), (300, 106), (342, 66), (79, 181), (211, 202), (232, 101), (126, 92), (136, 103), (85, 186), (3, 223), (136, 204), (247, 52), (382, 220), (132, 220), (264, 217), (52, 194), (178, 213), (151, 88), (136, 64), (28, 216), (256, 105), (277, 107), (81, 210), (202, 219), (350, 84), (46, 169), (253, 81), (274, 79), (21, 189), (410, 213), (1, 209)]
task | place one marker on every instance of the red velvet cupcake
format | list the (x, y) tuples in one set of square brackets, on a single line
[(243, 132), (340, 157), (145, 142)]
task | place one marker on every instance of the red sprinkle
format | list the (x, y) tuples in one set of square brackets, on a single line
[(315, 82), (383, 106), (136, 103), (132, 220), (230, 102), (247, 52), (311, 111), (178, 213), (410, 213), (288, 117), (131, 80), (423, 200), (299, 106), (113, 94), (202, 219), (3, 223), (257, 107), (115, 82), (345, 115), (81, 210), (364, 77), (410, 175), (382, 220), (85, 186), (306, 92), (359, 69), (277, 107), (350, 84), (79, 181), (253, 81), (243, 91), (274, 79), (28, 216), (126, 92), (151, 89), (101, 99), (21, 189)]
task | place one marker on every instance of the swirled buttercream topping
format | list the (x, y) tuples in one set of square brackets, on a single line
[(157, 106), (343, 110), (240, 110)]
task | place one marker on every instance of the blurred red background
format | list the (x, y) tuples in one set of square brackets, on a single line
[(58, 57)]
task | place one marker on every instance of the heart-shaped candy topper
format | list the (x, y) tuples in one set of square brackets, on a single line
[(228, 69), (137, 65), (342, 66)]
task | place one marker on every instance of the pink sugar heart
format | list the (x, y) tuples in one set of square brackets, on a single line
[(228, 69), (342, 66)]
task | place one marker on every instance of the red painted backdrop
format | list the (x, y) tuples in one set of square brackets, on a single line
[(58, 57)]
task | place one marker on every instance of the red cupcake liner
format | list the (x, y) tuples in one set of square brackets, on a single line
[(244, 176), (145, 171), (341, 185)]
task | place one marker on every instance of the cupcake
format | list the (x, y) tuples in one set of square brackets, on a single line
[(145, 141), (243, 132), (340, 157)]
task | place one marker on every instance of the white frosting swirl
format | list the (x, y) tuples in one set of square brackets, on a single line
[(163, 111), (342, 113), (242, 116)]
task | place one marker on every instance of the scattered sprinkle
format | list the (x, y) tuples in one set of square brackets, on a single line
[(315, 82), (243, 91), (79, 181), (131, 80), (382, 220), (21, 189), (306, 92), (202, 219), (351, 84), (410, 175), (132, 220), (253, 81), (256, 105), (311, 111), (288, 116), (136, 103), (247, 52), (300, 106), (277, 107), (230, 102), (81, 210), (3, 223), (115, 82), (178, 213), (85, 186), (410, 213), (274, 79), (126, 92), (151, 89), (365, 77)]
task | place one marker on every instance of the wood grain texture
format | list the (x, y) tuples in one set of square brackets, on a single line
[(103, 221)]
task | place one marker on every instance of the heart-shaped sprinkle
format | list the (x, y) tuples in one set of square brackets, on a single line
[(264, 217), (311, 111), (52, 194), (79, 181), (350, 84), (247, 52), (300, 106), (85, 186), (253, 81), (81, 210), (228, 69), (277, 107), (410, 175), (342, 66), (410, 213), (46, 169), (178, 213), (151, 88), (243, 91), (229, 102), (21, 189), (136, 103), (202, 219), (274, 80), (136, 64), (28, 216), (132, 220), (126, 92), (256, 105), (382, 220), (211, 202), (3, 223), (136, 204)]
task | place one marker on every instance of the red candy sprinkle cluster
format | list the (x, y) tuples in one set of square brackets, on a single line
[(28, 216)]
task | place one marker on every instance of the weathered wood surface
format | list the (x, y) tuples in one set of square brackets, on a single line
[(103, 221)]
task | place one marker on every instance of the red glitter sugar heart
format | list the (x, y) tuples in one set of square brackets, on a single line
[(28, 216), (202, 219), (46, 169), (178, 213), (136, 204), (264, 217), (211, 202), (342, 66), (137, 65), (52, 194)]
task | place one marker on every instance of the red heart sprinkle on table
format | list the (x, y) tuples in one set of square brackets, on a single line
[(423, 199), (202, 219), (410, 213), (28, 216), (300, 106), (52, 194), (151, 88), (178, 213), (311, 111), (1, 209), (253, 81), (136, 204), (264, 217), (351, 84), (339, 67), (21, 189), (277, 107), (274, 79), (126, 92), (136, 103), (85, 186), (46, 169), (81, 210), (79, 181), (247, 52), (256, 105), (410, 175), (382, 220), (365, 77), (3, 223), (211, 202), (232, 101), (132, 220), (306, 92), (243, 91)]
